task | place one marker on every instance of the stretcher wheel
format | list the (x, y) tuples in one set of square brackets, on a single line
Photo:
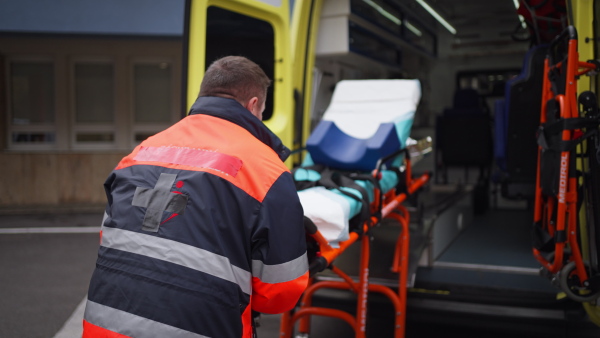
[(571, 285)]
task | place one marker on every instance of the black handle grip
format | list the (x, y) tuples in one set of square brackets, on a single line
[(317, 265), (396, 153), (310, 226)]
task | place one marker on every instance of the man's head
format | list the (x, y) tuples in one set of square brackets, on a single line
[(238, 78)]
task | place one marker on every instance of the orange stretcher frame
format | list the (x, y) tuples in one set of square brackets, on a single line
[(391, 207), (563, 206)]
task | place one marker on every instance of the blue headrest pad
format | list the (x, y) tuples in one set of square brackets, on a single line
[(330, 146)]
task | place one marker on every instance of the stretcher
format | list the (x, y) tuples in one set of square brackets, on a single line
[(566, 239), (357, 172)]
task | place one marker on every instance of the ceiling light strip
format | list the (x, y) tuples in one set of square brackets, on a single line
[(437, 16), (383, 12), (521, 18)]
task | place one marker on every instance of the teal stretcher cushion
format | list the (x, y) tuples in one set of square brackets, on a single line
[(389, 179)]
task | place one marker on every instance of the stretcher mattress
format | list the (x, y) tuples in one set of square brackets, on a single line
[(366, 120), (330, 209), (358, 110)]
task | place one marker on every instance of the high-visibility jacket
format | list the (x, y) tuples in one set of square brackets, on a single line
[(203, 225)]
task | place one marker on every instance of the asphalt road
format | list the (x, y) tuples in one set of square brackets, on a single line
[(46, 262), (44, 275)]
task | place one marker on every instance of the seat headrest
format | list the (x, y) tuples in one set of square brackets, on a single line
[(466, 99)]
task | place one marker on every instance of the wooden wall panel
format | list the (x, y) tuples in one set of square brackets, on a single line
[(46, 181)]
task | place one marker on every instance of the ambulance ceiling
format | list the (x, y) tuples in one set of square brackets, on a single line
[(476, 22)]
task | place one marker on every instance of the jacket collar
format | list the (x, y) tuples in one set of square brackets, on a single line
[(232, 111)]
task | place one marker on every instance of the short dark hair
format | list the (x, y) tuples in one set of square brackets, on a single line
[(236, 77)]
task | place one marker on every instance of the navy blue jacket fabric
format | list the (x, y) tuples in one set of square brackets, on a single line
[(203, 224)]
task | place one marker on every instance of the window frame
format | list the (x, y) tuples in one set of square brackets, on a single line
[(174, 115), (11, 128), (74, 128)]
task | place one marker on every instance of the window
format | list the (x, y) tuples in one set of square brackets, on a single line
[(94, 93), (32, 107), (152, 98), (488, 83), (70, 94), (152, 92)]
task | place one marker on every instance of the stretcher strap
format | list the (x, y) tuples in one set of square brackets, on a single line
[(336, 180), (542, 240), (549, 134)]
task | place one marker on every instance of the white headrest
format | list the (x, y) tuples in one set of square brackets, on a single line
[(358, 107)]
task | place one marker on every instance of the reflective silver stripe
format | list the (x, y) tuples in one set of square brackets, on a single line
[(131, 325), (104, 218), (53, 230), (280, 273), (177, 253)]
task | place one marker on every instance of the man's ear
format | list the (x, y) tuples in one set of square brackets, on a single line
[(252, 106)]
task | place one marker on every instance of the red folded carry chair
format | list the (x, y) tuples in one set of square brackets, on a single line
[(567, 173)]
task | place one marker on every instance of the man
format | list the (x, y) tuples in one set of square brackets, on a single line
[(203, 223)]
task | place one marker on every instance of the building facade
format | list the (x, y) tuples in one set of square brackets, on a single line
[(76, 95)]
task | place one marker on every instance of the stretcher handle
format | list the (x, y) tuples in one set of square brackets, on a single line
[(319, 263), (568, 34), (310, 226), (384, 159), (377, 172)]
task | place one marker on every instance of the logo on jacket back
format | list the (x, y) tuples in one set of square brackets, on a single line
[(159, 199)]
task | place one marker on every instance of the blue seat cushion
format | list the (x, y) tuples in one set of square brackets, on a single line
[(330, 146)]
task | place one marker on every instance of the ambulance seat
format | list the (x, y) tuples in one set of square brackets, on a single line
[(516, 122), (464, 136)]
